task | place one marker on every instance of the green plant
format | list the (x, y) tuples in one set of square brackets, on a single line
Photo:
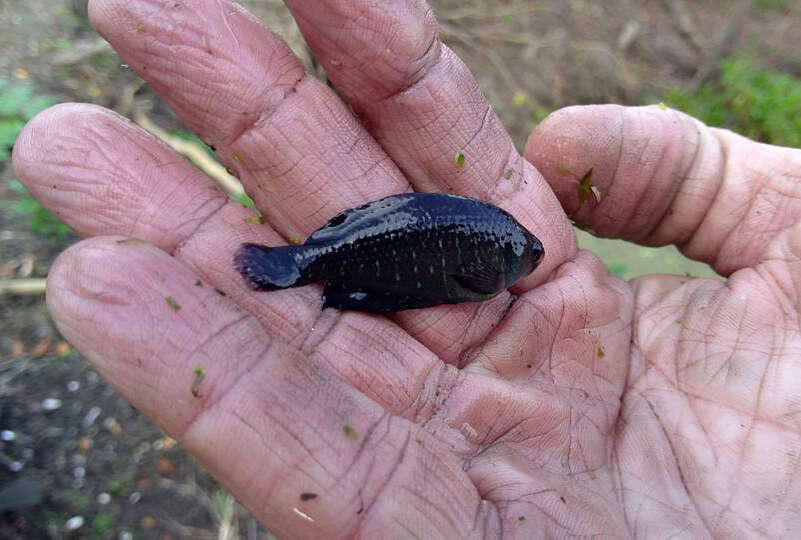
[(102, 524), (241, 198), (619, 270), (78, 500), (55, 519), (748, 98), (18, 104), (123, 485), (772, 5), (522, 100), (116, 487), (51, 363), (188, 136), (40, 220)]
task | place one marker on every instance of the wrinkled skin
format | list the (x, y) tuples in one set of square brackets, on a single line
[(667, 407)]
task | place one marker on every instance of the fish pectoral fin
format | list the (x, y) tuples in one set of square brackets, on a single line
[(480, 279), (339, 296)]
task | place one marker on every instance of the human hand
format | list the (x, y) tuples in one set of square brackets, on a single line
[(582, 406)]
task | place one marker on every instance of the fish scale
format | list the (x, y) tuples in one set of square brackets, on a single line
[(404, 251)]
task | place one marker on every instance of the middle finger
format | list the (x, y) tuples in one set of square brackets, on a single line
[(423, 105)]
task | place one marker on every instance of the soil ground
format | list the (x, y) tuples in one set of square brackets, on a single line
[(74, 449)]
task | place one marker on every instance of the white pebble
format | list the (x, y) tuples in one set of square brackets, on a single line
[(75, 522), (125, 535), (79, 472), (142, 448), (51, 404), (7, 435), (73, 386), (91, 416), (134, 497), (103, 498)]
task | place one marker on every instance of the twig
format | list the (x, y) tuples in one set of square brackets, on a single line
[(127, 100), (196, 155), (628, 35), (80, 51), (483, 12), (468, 39), (503, 36), (20, 287), (723, 44), (187, 531), (684, 23), (226, 515)]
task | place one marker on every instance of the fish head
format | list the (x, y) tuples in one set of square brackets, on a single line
[(523, 256), (532, 253)]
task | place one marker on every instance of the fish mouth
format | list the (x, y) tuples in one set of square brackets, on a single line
[(539, 253), (535, 251)]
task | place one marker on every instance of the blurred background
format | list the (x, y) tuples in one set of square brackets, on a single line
[(78, 462)]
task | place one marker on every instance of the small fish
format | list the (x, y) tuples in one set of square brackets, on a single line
[(405, 251)]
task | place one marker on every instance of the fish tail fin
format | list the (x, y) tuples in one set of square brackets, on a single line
[(269, 268)]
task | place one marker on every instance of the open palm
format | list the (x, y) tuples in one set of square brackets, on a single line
[(581, 405)]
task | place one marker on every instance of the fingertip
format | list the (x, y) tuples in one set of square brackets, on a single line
[(84, 284), (67, 267), (91, 270), (618, 169), (25, 151), (43, 136), (570, 142), (57, 285), (98, 11)]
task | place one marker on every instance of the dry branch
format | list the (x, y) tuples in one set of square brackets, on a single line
[(196, 155), (21, 287), (80, 51), (683, 20), (723, 45)]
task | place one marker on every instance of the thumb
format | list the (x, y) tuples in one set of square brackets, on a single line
[(663, 177)]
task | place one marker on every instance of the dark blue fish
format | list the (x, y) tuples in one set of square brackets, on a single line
[(405, 251)]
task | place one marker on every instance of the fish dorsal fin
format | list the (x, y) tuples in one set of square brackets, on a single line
[(480, 278), (357, 219)]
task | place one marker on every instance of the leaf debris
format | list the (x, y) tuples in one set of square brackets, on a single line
[(130, 241), (585, 187), (459, 159), (200, 374), (173, 303), (350, 432)]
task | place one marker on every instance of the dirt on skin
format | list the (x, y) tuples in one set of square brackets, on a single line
[(72, 453)]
